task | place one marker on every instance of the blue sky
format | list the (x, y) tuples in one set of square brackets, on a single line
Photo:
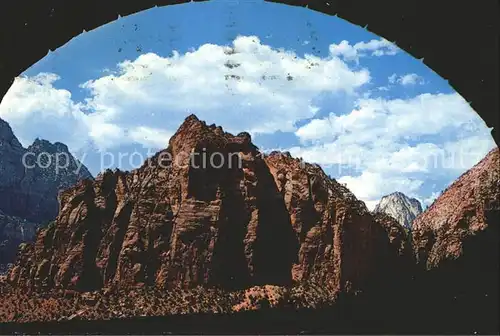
[(374, 117)]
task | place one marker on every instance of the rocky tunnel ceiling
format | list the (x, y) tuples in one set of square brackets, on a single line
[(457, 39)]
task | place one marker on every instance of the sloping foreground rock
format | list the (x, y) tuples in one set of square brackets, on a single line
[(466, 209), (241, 220)]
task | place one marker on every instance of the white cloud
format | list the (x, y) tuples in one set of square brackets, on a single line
[(371, 185), (317, 129), (411, 79), (465, 152), (371, 205), (425, 114), (395, 145), (34, 108), (354, 52), (379, 147), (408, 79), (408, 159), (393, 78), (152, 137), (428, 201), (103, 134), (248, 85)]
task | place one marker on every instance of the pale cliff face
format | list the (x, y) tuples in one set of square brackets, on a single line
[(403, 208)]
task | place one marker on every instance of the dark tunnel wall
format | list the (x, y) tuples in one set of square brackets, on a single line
[(457, 39)]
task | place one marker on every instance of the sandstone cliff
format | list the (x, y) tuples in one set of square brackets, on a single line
[(255, 220)]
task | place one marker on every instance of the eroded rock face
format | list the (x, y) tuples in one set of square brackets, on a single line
[(466, 208), (341, 245), (252, 219), (403, 208)]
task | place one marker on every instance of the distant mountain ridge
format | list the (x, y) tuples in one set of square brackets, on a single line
[(403, 208), (30, 182)]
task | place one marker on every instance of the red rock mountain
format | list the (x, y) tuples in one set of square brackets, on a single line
[(256, 219)]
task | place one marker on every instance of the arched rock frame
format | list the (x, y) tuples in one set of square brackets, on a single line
[(457, 39)]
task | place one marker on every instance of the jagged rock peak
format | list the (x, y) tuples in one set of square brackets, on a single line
[(191, 117), (42, 145), (403, 208), (67, 171), (193, 134)]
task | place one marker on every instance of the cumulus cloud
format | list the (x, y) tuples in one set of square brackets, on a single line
[(395, 145), (372, 119), (376, 48), (371, 185), (151, 137), (34, 108), (408, 79), (379, 147), (247, 83)]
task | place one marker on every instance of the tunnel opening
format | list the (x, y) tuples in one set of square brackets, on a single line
[(276, 211)]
